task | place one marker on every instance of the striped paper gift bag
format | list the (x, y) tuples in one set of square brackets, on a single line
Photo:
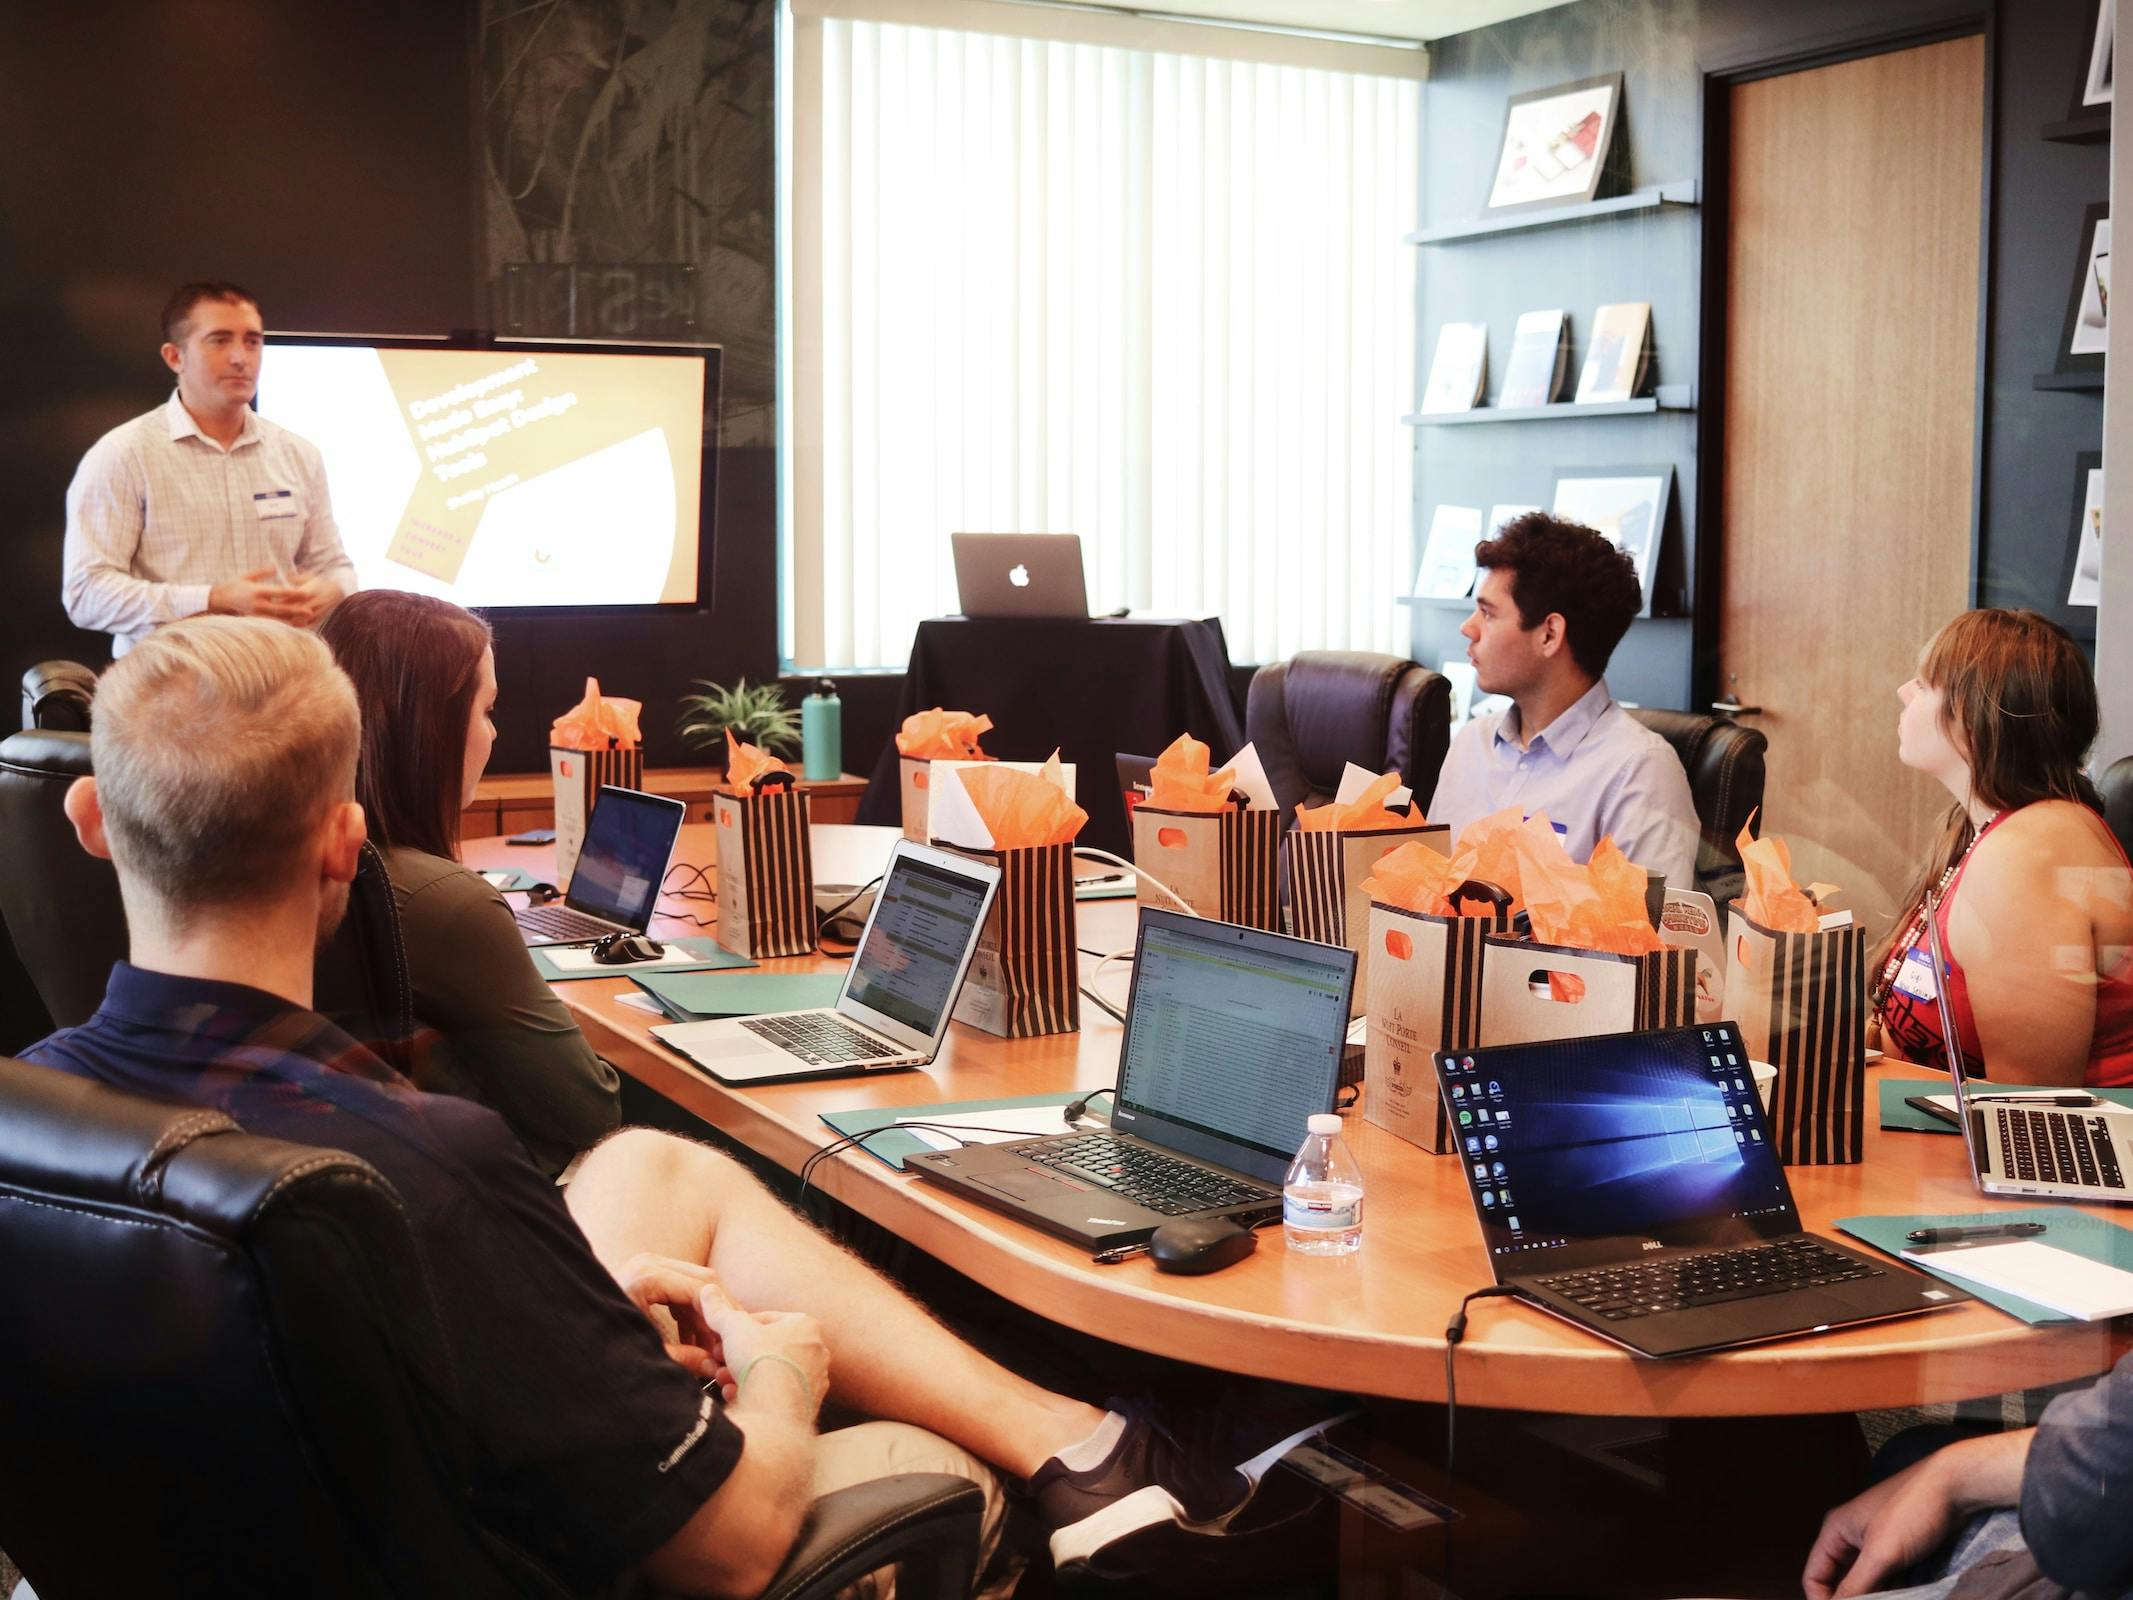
[(1531, 991), (1221, 863), (1025, 974), (1424, 995), (1800, 1000), (1326, 898), (766, 870), (579, 776)]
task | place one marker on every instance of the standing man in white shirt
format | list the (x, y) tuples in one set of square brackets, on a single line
[(202, 505), (1554, 601)]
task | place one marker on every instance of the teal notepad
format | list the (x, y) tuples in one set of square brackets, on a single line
[(2075, 1231), (1895, 1114), (506, 879), (709, 955), (702, 995), (894, 1144)]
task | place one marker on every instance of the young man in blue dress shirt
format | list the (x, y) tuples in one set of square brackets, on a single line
[(1554, 601)]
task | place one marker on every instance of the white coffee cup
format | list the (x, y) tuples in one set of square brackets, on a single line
[(1766, 1076)]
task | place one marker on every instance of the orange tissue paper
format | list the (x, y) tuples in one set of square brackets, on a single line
[(1181, 781), (1366, 813), (1774, 900), (597, 722), (1023, 810), (745, 763), (1415, 878), (939, 735)]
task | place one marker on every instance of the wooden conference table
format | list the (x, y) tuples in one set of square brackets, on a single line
[(1372, 1323)]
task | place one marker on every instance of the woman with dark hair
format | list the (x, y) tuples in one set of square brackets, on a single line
[(425, 676), (2036, 897)]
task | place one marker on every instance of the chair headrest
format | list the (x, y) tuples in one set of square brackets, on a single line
[(68, 1135), (46, 753), (1339, 707), (57, 694)]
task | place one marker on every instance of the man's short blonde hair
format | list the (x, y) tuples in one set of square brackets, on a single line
[(219, 744)]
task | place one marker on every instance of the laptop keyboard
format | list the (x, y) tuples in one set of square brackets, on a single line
[(560, 922), (1149, 1178), (2056, 1147), (1680, 1283), (819, 1040)]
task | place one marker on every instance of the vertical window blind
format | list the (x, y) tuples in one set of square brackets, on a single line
[(1157, 300)]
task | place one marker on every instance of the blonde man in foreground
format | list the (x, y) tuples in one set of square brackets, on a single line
[(640, 1371)]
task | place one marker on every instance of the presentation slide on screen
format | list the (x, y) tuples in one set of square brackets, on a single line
[(505, 477)]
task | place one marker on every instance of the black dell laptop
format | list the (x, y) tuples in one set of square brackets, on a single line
[(1233, 1040), (1627, 1183)]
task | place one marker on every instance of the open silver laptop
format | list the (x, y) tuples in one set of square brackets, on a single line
[(897, 997), (2060, 1152), (1019, 574)]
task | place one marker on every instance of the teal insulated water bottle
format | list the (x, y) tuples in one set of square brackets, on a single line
[(822, 734)]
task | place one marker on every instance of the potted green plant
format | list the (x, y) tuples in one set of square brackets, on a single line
[(756, 713)]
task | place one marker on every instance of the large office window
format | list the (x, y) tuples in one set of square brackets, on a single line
[(1154, 298)]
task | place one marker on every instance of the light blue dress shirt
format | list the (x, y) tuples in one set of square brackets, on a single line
[(1596, 770)]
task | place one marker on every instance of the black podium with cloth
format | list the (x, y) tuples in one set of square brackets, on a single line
[(1089, 687)]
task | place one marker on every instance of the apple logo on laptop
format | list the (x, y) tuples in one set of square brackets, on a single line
[(1018, 575)]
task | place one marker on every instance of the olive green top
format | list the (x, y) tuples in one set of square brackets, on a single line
[(492, 1030)]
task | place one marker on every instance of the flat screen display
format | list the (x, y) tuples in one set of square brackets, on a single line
[(1614, 1141), (512, 475), (1233, 1039)]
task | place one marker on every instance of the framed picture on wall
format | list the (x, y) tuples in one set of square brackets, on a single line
[(2088, 303), (1557, 145), (2083, 584), (1627, 504), (2096, 84)]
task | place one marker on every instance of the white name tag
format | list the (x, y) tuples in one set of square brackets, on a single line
[(270, 505), (1915, 977)]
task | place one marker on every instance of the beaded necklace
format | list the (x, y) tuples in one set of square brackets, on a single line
[(1878, 996)]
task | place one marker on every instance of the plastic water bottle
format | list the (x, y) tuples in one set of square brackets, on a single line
[(822, 734), (1322, 1197)]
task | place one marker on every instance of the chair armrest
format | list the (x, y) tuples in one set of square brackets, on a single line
[(925, 1524)]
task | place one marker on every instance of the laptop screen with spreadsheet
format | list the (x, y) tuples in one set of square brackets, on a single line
[(1233, 1040)]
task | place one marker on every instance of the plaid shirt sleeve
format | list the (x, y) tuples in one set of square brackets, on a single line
[(106, 516)]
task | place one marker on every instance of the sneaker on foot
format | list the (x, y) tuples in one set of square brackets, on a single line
[(1149, 1503)]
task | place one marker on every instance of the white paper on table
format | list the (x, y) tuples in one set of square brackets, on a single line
[(1248, 772), (1355, 779), (991, 1127), (579, 958), (2070, 1284), (952, 818)]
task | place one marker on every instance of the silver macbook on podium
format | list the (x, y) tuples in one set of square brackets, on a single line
[(1019, 574)]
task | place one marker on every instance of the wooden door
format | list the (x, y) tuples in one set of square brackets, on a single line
[(1851, 399)]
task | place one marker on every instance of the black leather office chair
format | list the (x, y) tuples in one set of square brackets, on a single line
[(225, 1377), (63, 912), (1724, 761), (1310, 715), (2117, 787), (57, 694)]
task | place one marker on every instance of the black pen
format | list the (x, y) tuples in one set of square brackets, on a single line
[(1111, 1258), (1995, 1230), (2069, 1097)]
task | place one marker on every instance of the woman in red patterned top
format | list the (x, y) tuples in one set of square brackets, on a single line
[(2036, 897)]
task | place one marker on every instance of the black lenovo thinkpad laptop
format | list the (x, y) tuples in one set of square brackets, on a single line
[(1233, 1040), (1626, 1183)]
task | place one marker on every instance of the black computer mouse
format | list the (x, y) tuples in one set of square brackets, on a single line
[(1199, 1244), (621, 950)]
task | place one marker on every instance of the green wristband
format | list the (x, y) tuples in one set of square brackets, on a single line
[(807, 1386)]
